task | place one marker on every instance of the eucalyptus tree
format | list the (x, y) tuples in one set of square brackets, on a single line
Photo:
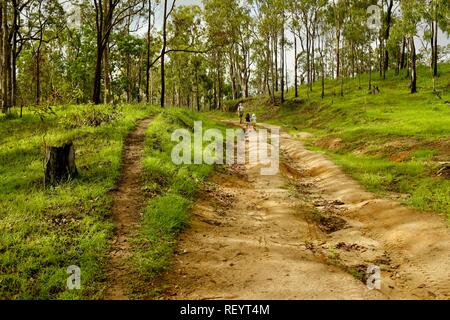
[(12, 40), (411, 16), (184, 68), (109, 14), (150, 25), (435, 13), (219, 29), (270, 23)]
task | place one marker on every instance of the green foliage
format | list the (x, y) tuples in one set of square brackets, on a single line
[(94, 116)]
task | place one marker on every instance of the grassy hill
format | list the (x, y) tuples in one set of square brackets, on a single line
[(394, 142)]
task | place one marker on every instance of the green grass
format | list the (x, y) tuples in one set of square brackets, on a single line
[(392, 142), (172, 189), (413, 178), (45, 230)]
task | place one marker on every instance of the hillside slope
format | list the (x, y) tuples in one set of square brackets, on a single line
[(396, 144)]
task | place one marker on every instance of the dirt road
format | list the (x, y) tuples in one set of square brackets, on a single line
[(309, 232), (128, 200)]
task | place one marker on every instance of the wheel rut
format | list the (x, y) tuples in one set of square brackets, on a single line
[(128, 201)]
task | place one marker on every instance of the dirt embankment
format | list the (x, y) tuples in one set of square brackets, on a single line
[(411, 247)]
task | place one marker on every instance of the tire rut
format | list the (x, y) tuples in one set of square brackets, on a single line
[(128, 201), (254, 247)]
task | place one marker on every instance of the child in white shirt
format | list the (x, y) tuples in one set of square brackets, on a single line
[(254, 121)]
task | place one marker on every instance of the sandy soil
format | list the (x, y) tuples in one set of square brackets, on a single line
[(411, 247), (309, 232)]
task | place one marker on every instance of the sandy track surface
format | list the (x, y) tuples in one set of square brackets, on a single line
[(411, 247), (309, 232)]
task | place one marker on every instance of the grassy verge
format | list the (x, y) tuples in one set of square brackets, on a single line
[(45, 230), (393, 142), (172, 189)]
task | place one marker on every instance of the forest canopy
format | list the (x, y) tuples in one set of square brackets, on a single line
[(197, 56)]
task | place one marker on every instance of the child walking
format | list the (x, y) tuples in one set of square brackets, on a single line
[(240, 111), (254, 121), (248, 121)]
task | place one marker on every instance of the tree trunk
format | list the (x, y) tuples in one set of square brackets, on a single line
[(286, 73), (129, 85), (275, 47), (59, 164), (139, 82), (399, 55), (322, 66), (308, 51), (104, 20), (380, 56), (220, 83), (338, 53), (37, 97), (370, 67), (37, 93), (434, 44), (413, 66), (107, 79), (386, 37), (1, 59), (163, 53), (98, 74), (14, 56), (295, 66), (6, 60), (149, 38), (216, 100), (282, 62), (436, 48), (312, 58), (272, 72), (233, 78), (197, 89), (323, 80), (403, 53), (342, 75)]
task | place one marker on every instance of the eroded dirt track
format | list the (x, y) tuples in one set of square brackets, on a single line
[(411, 247), (309, 232), (128, 200)]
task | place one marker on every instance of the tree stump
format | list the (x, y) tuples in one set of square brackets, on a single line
[(59, 164)]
